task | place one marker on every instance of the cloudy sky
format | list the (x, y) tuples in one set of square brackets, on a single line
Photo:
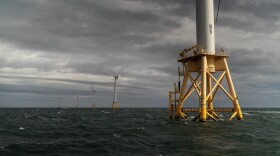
[(52, 48)]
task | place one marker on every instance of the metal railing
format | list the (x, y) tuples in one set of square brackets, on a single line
[(195, 50)]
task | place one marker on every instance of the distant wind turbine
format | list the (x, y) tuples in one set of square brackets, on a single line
[(77, 101), (93, 96), (115, 102), (59, 100)]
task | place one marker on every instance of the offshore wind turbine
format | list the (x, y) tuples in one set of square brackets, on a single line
[(93, 96), (77, 104), (115, 102), (77, 97), (204, 70), (59, 100)]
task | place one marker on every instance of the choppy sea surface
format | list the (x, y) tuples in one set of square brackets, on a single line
[(128, 131)]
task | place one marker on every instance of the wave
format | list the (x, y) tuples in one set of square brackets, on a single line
[(105, 112)]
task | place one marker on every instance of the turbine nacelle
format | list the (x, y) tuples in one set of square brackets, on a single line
[(93, 90), (116, 77)]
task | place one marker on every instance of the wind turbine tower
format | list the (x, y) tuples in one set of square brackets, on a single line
[(59, 100), (77, 105), (115, 102), (204, 69), (93, 96)]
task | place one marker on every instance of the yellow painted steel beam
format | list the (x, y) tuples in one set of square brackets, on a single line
[(213, 110), (184, 86), (224, 90), (217, 82), (183, 115), (214, 94), (215, 114), (194, 81), (182, 92), (233, 115), (189, 92), (232, 90), (203, 113), (209, 88), (197, 88), (211, 116)]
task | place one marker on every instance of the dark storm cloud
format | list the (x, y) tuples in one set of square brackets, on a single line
[(56, 25), (255, 61), (69, 26), (266, 10), (50, 88), (250, 16)]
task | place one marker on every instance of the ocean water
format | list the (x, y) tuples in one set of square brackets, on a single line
[(130, 131)]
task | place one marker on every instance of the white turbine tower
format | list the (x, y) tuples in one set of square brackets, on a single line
[(115, 102), (59, 101), (77, 105), (93, 96), (77, 97)]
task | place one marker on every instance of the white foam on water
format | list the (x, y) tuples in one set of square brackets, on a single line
[(148, 115), (21, 128), (117, 135), (141, 128), (248, 114), (191, 117), (23, 142), (264, 112), (271, 112), (105, 112)]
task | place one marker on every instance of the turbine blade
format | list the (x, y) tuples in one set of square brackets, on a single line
[(92, 87)]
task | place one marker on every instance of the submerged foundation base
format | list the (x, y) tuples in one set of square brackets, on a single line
[(115, 105)]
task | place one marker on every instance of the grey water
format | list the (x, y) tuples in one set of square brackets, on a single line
[(134, 131)]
